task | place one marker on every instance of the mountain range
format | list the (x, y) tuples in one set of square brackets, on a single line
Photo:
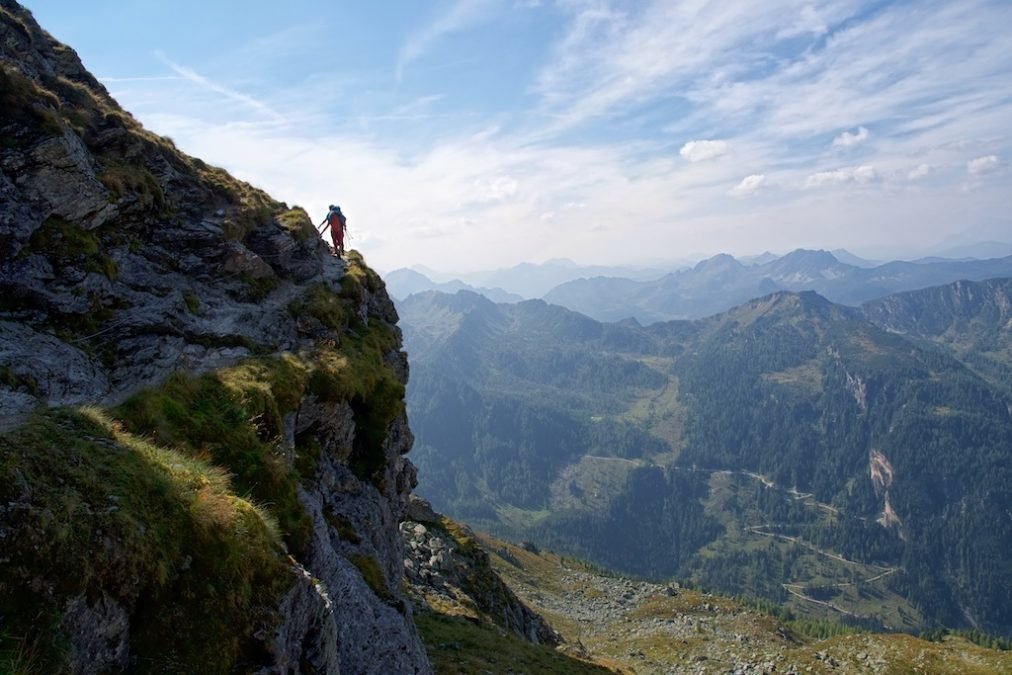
[(404, 282), (511, 284), (718, 283), (848, 462), (707, 287)]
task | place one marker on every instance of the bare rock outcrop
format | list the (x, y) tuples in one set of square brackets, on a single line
[(443, 561)]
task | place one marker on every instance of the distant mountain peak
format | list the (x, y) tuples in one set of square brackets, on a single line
[(786, 304), (721, 261), (820, 256)]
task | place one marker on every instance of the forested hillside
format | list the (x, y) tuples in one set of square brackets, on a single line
[(973, 320), (789, 448)]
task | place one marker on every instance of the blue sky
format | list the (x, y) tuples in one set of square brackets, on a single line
[(468, 134)]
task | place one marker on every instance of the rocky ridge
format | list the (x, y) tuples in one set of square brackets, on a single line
[(447, 571), (230, 494)]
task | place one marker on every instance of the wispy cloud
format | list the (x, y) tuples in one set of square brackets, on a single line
[(417, 106), (462, 14), (809, 100), (857, 174), (237, 96), (152, 78), (749, 185)]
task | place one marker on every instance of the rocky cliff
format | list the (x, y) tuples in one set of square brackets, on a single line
[(202, 462), (448, 572)]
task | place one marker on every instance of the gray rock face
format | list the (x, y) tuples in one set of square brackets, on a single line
[(356, 549), (308, 633), (63, 371), (421, 511), (436, 564), (159, 271), (59, 175), (99, 635)]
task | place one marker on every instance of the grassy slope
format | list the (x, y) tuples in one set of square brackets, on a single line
[(457, 645), (94, 509)]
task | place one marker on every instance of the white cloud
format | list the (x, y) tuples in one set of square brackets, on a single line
[(700, 151), (859, 174), (849, 140), (496, 189), (749, 185), (982, 165), (920, 171)]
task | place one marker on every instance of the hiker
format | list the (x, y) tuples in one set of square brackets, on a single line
[(338, 225)]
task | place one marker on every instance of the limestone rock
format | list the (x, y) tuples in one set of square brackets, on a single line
[(307, 635), (420, 511), (99, 635), (438, 564)]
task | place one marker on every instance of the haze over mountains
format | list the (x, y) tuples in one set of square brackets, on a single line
[(707, 287), (520, 282), (790, 448)]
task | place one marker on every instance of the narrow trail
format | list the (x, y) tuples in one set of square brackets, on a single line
[(759, 529), (797, 589), (634, 462), (806, 498), (790, 589)]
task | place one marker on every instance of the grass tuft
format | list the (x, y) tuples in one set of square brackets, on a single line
[(298, 223), (66, 243), (202, 565), (234, 418), (125, 179), (369, 568)]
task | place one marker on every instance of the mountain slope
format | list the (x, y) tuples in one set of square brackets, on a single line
[(973, 320), (203, 434), (788, 448)]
